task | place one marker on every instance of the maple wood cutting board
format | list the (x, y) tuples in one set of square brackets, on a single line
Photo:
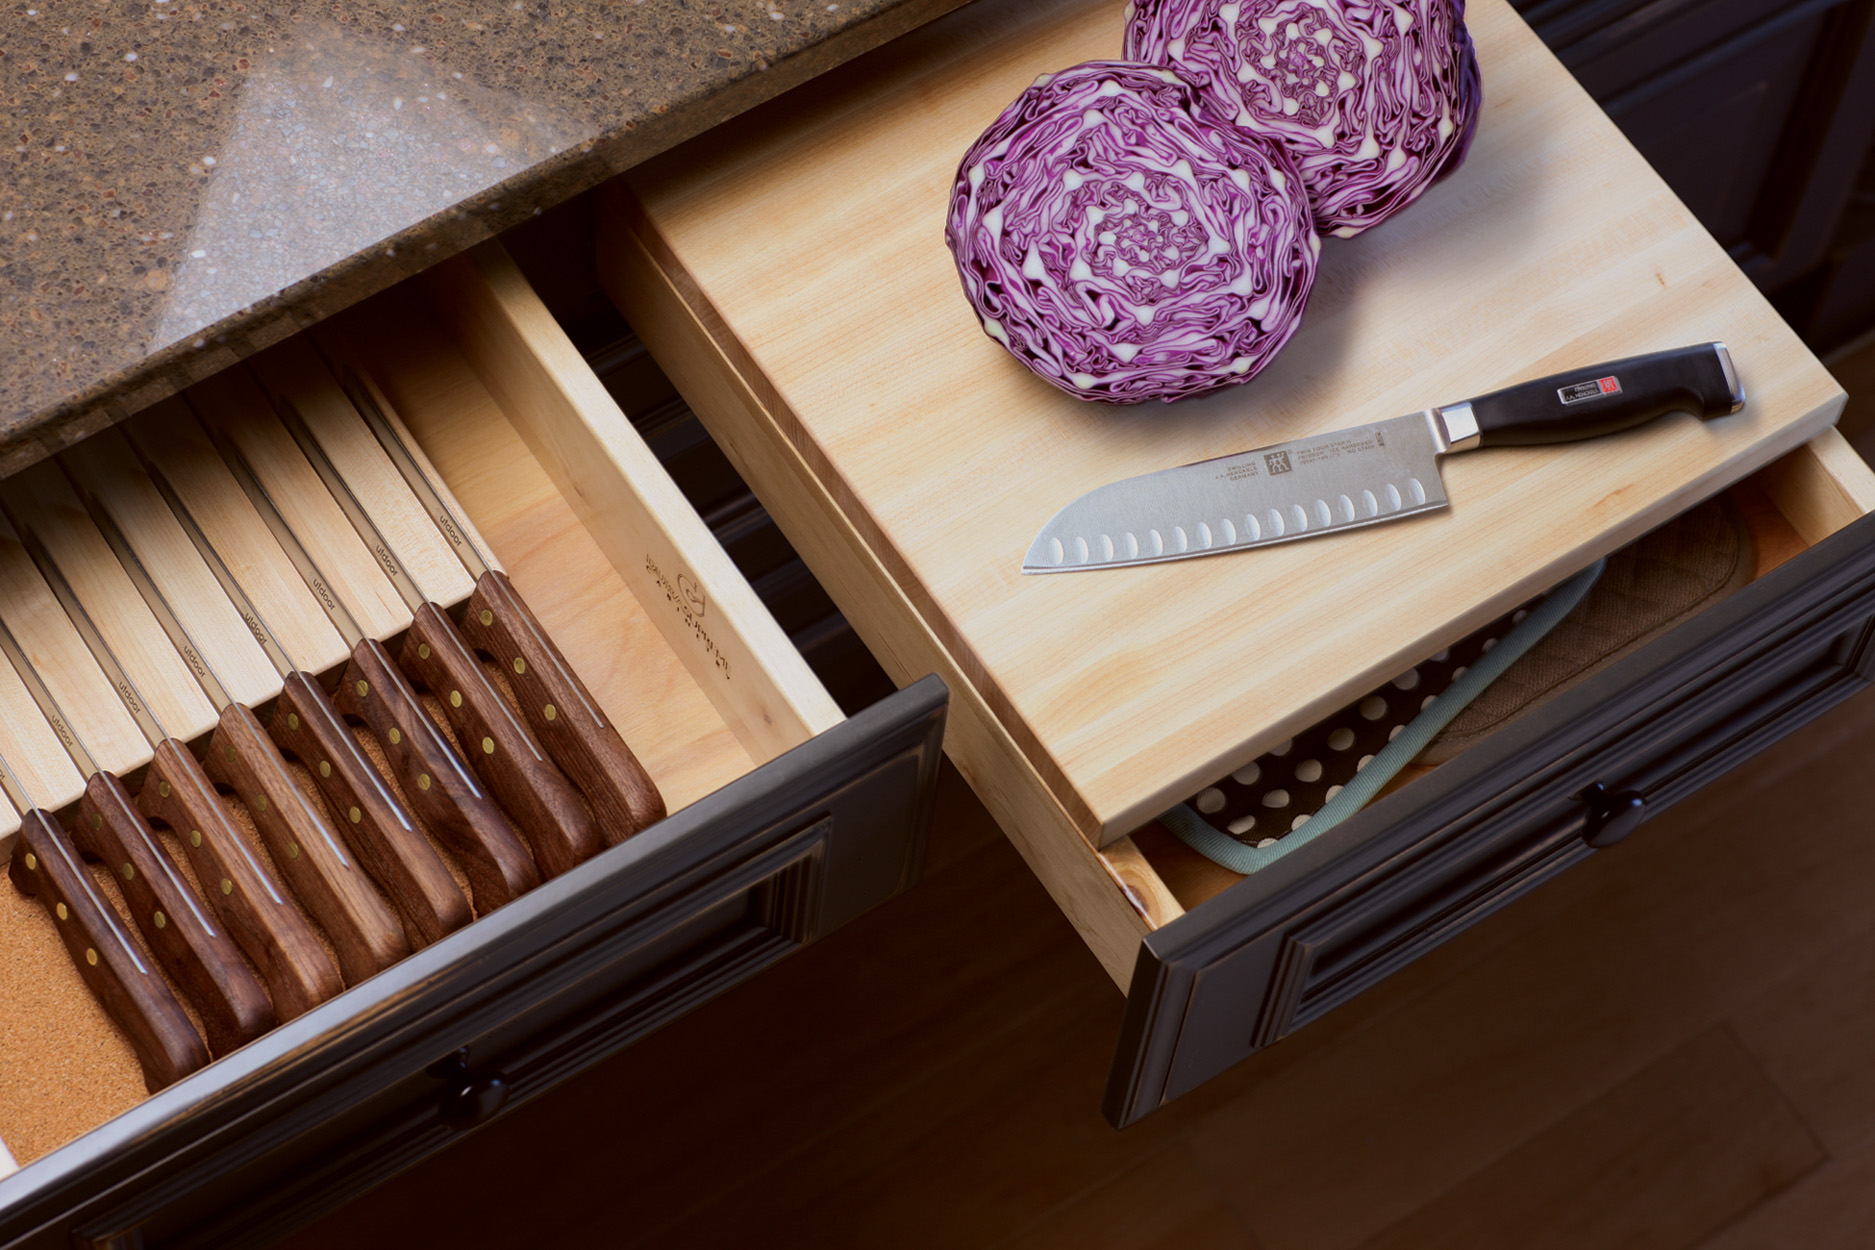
[(814, 231)]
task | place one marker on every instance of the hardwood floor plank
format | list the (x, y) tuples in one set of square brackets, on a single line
[(1164, 1203), (1595, 976), (1833, 1208), (1814, 1034), (1686, 1144)]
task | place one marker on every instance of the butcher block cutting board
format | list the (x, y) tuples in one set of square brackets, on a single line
[(810, 240)]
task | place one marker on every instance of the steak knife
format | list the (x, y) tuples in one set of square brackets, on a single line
[(1346, 479)]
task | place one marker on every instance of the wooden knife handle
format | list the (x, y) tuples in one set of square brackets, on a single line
[(379, 829), (504, 755), (310, 855), (443, 793), (561, 711), (252, 906), (106, 956), (200, 957)]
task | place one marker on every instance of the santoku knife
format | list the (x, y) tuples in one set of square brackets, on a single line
[(1345, 479)]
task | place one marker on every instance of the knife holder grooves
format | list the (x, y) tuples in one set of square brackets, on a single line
[(556, 488)]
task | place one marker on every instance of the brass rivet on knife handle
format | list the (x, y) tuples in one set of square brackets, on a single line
[(561, 711), (584, 745), (446, 797), (383, 835), (530, 787), (106, 957), (547, 808), (202, 960), (364, 933), (266, 925), (461, 815)]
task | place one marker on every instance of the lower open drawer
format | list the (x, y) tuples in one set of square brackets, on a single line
[(786, 820), (1234, 963), (1216, 966)]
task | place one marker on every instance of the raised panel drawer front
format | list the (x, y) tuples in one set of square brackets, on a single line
[(787, 818), (792, 279)]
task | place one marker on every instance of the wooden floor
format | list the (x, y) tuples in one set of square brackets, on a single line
[(1672, 1046)]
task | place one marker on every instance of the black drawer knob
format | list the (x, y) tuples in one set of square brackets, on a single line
[(1613, 815), (471, 1098)]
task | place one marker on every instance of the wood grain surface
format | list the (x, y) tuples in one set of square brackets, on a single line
[(560, 710), (198, 954), (105, 955), (516, 769), (52, 1034), (368, 814), (452, 804), (43, 500), (106, 469), (654, 537), (254, 907), (324, 875), (814, 237), (1666, 1048), (169, 435)]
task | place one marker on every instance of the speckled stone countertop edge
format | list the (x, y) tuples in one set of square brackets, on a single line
[(416, 248)]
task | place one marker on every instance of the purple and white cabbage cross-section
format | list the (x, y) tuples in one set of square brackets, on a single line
[(1375, 99), (1124, 243)]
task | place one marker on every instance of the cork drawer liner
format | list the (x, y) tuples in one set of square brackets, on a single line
[(598, 540)]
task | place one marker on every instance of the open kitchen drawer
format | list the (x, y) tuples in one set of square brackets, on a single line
[(792, 279), (786, 819)]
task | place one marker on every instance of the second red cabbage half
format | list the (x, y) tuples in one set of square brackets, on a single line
[(1125, 244), (1375, 99)]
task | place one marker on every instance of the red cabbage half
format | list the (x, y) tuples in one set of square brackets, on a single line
[(1375, 99), (1124, 244)]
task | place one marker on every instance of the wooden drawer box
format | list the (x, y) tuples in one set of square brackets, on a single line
[(792, 279), (787, 820)]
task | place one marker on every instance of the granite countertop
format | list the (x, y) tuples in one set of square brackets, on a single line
[(189, 182)]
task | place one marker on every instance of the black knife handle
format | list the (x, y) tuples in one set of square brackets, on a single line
[(1600, 399)]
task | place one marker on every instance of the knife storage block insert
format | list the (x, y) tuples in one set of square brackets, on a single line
[(511, 465), (1771, 505)]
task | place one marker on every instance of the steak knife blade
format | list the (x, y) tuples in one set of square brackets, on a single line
[(1347, 479)]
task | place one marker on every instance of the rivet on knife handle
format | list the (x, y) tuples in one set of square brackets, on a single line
[(559, 708), (498, 747), (493, 859), (354, 917), (561, 711), (44, 867), (197, 954)]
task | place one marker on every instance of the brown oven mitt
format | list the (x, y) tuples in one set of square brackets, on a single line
[(1650, 585)]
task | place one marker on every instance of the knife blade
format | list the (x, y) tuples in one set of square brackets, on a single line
[(1369, 474)]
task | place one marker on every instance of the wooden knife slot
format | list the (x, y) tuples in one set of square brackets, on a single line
[(1788, 506), (623, 575)]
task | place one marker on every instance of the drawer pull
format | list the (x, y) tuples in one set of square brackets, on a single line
[(1612, 815), (472, 1099)]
